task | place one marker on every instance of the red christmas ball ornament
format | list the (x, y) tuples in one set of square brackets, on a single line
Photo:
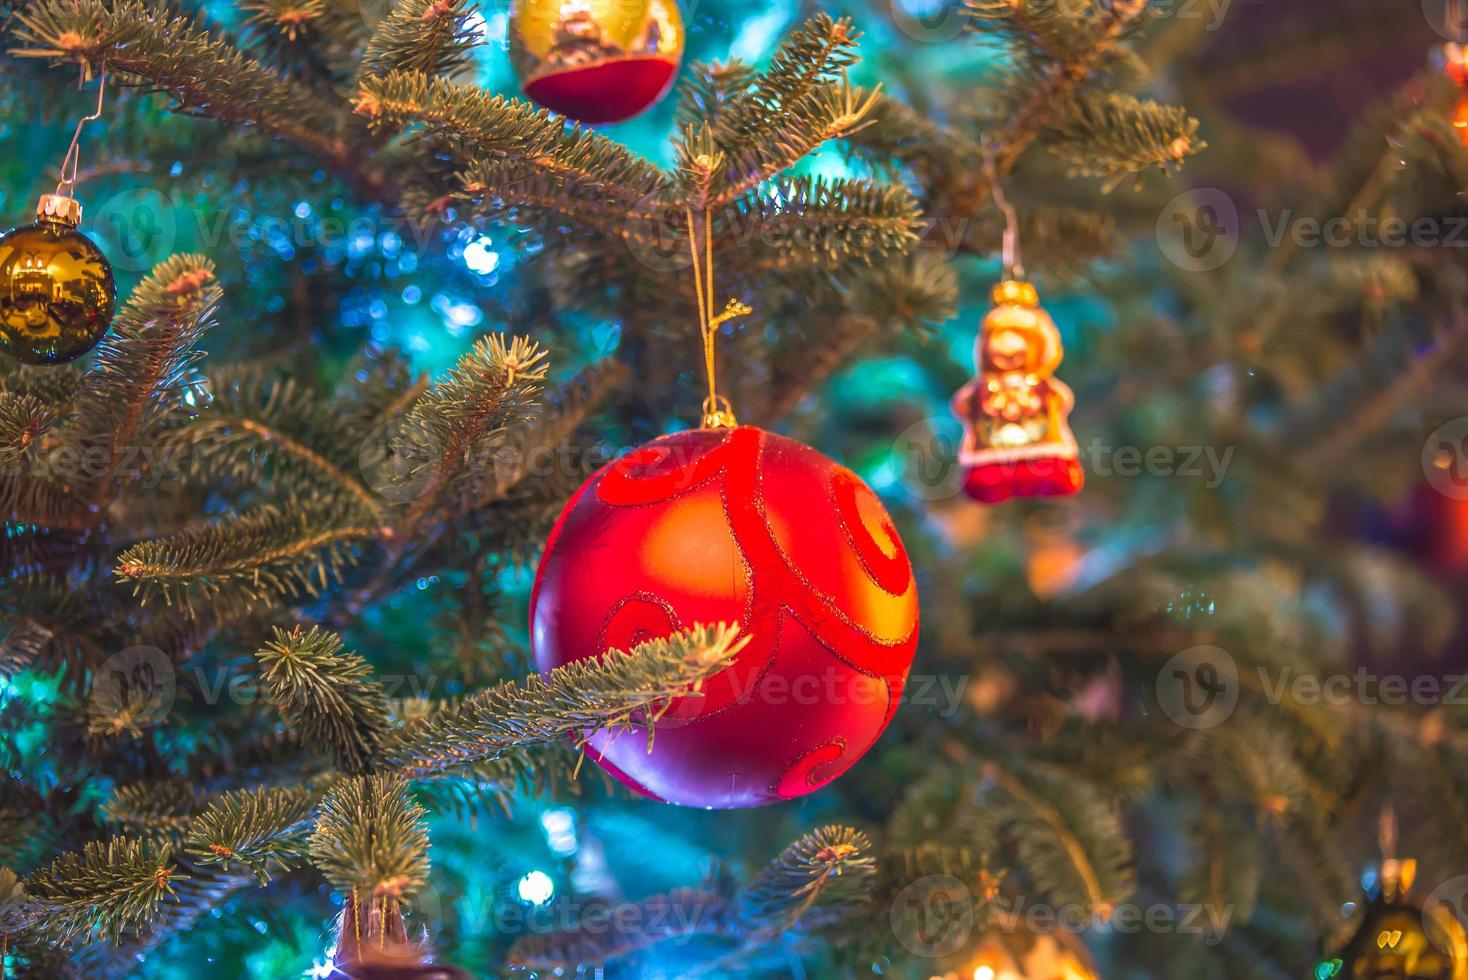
[(736, 525), (596, 61)]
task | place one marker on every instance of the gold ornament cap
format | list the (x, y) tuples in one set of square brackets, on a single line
[(59, 208), (1015, 292)]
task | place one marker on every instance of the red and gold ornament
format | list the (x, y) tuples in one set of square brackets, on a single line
[(1455, 66), (596, 61), (736, 525), (730, 523), (1017, 439)]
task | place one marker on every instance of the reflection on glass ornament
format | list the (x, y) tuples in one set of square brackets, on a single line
[(57, 296), (596, 61)]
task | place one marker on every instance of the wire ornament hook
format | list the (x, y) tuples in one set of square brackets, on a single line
[(1009, 255), (73, 152)]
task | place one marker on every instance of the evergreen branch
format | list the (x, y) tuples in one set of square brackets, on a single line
[(326, 695), (1071, 47), (475, 123), (307, 39), (25, 419), (370, 838), (142, 376), (546, 437), (823, 878), (35, 500), (106, 889), (1112, 135), (263, 556), (1228, 867), (461, 419), (497, 783), (259, 422), (23, 646), (615, 690), (432, 37), (827, 112), (811, 57), (708, 90), (261, 829), (1067, 838), (678, 914), (155, 809), (815, 221), (170, 54), (502, 188)]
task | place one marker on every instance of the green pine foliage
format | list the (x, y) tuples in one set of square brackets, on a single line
[(207, 558)]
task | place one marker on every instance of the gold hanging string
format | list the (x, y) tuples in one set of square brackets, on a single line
[(73, 152), (1009, 254), (717, 412)]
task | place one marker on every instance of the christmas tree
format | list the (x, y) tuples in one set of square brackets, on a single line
[(275, 667)]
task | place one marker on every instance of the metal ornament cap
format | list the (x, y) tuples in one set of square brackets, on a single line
[(60, 208)]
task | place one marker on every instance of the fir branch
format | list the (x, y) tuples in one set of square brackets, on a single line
[(160, 810), (171, 54), (616, 690), (1113, 135), (328, 696), (794, 102), (266, 555), (1227, 867), (823, 878), (504, 188), (463, 417), (679, 914), (370, 838), (1070, 42), (814, 221), (142, 377), (495, 784), (796, 129), (261, 423), (23, 646), (475, 123), (262, 830), (35, 500), (546, 437), (313, 40), (24, 420), (1067, 838), (432, 37), (104, 890), (708, 90)]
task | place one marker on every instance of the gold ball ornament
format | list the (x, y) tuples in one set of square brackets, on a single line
[(1397, 939), (57, 295), (596, 61)]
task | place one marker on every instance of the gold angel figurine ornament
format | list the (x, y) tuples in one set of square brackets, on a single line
[(1017, 440)]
